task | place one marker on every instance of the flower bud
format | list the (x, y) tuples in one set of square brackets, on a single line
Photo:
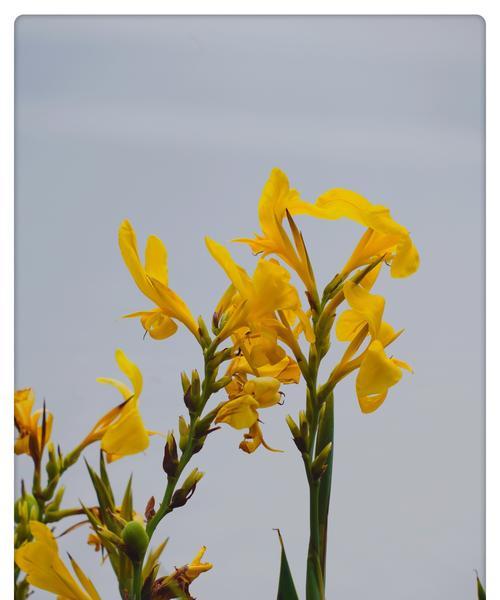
[(304, 425), (219, 358), (182, 495), (297, 436), (320, 463), (203, 331), (220, 383), (136, 541), (56, 502), (183, 433), (186, 384), (26, 509), (170, 457), (53, 465), (195, 385)]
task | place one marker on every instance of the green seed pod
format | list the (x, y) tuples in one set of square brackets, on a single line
[(26, 508), (136, 540)]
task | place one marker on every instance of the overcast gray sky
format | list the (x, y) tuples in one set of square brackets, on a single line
[(175, 123)]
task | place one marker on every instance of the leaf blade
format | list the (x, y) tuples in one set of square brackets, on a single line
[(286, 586)]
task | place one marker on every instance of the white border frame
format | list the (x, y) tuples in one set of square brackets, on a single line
[(10, 10)]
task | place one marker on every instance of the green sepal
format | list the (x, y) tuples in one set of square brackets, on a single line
[(286, 586), (152, 561), (127, 507), (104, 477), (104, 499)]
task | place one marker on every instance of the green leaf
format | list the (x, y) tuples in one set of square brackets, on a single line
[(481, 593), (286, 587), (325, 437)]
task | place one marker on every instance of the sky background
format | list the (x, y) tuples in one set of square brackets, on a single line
[(175, 123)]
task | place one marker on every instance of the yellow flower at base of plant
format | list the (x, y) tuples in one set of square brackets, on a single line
[(152, 280), (121, 430), (376, 375), (31, 438), (241, 410), (41, 562)]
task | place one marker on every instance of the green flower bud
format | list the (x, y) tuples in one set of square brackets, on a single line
[(183, 433), (26, 508)]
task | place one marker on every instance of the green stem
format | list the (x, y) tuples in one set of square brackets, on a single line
[(325, 436), (137, 580), (314, 582), (209, 375)]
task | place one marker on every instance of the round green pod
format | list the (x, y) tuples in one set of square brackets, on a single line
[(136, 540)]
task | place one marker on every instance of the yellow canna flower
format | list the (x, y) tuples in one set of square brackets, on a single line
[(384, 236), (256, 299), (152, 279), (241, 410), (33, 436), (376, 375), (41, 562), (260, 355), (276, 201), (121, 430)]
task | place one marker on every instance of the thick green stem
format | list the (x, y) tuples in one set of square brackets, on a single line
[(314, 583), (325, 436)]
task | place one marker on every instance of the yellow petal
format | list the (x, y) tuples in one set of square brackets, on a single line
[(348, 325), (369, 404), (156, 259), (124, 390), (44, 568), (174, 306), (236, 274), (264, 389), (239, 413), (128, 246), (131, 371), (377, 374), (24, 401), (406, 260), (369, 306), (88, 586), (127, 435)]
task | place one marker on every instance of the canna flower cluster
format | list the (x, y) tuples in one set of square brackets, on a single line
[(271, 328)]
